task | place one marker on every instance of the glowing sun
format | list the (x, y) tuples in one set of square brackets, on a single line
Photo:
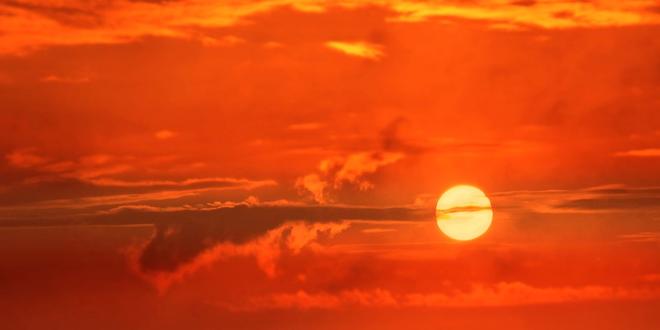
[(463, 213)]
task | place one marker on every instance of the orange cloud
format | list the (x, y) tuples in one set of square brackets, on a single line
[(107, 181), (600, 199), (164, 134), (313, 184), (339, 171), (30, 25), (653, 152), (357, 48), (65, 80), (353, 168), (500, 294), (305, 126), (550, 15), (25, 158), (226, 41), (642, 237), (291, 237)]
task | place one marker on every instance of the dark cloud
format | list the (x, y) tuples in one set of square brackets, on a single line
[(391, 139), (181, 236), (603, 203), (62, 14), (76, 189), (612, 197), (590, 200)]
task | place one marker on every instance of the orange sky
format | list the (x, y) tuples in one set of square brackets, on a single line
[(212, 164)]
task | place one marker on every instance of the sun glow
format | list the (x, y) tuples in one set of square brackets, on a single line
[(463, 213)]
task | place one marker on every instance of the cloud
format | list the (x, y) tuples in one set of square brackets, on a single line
[(497, 295), (125, 193), (65, 80), (164, 134), (304, 300), (67, 15), (641, 237), (313, 184), (155, 260), (25, 158), (182, 234), (225, 41), (310, 126), (357, 48), (188, 238), (654, 152), (334, 173), (549, 15), (354, 169), (606, 198), (194, 182), (30, 25), (99, 182), (611, 203), (378, 230)]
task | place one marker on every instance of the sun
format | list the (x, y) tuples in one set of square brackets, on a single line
[(463, 213)]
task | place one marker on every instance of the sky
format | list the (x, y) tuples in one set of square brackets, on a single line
[(205, 164)]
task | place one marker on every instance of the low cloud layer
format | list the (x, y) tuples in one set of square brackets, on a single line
[(172, 254), (184, 240), (498, 295), (607, 198)]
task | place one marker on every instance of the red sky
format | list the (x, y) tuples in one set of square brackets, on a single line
[(207, 164)]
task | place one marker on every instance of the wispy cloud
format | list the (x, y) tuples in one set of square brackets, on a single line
[(165, 134), (224, 41), (497, 295), (65, 80), (309, 126), (651, 152), (642, 237), (606, 198), (339, 171), (357, 48), (100, 182), (354, 169), (25, 158)]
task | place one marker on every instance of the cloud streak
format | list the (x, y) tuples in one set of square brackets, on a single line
[(358, 49), (607, 198), (99, 180), (652, 152), (498, 295)]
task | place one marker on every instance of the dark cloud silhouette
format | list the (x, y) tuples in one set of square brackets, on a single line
[(611, 203), (391, 139), (75, 189), (66, 15), (180, 236)]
